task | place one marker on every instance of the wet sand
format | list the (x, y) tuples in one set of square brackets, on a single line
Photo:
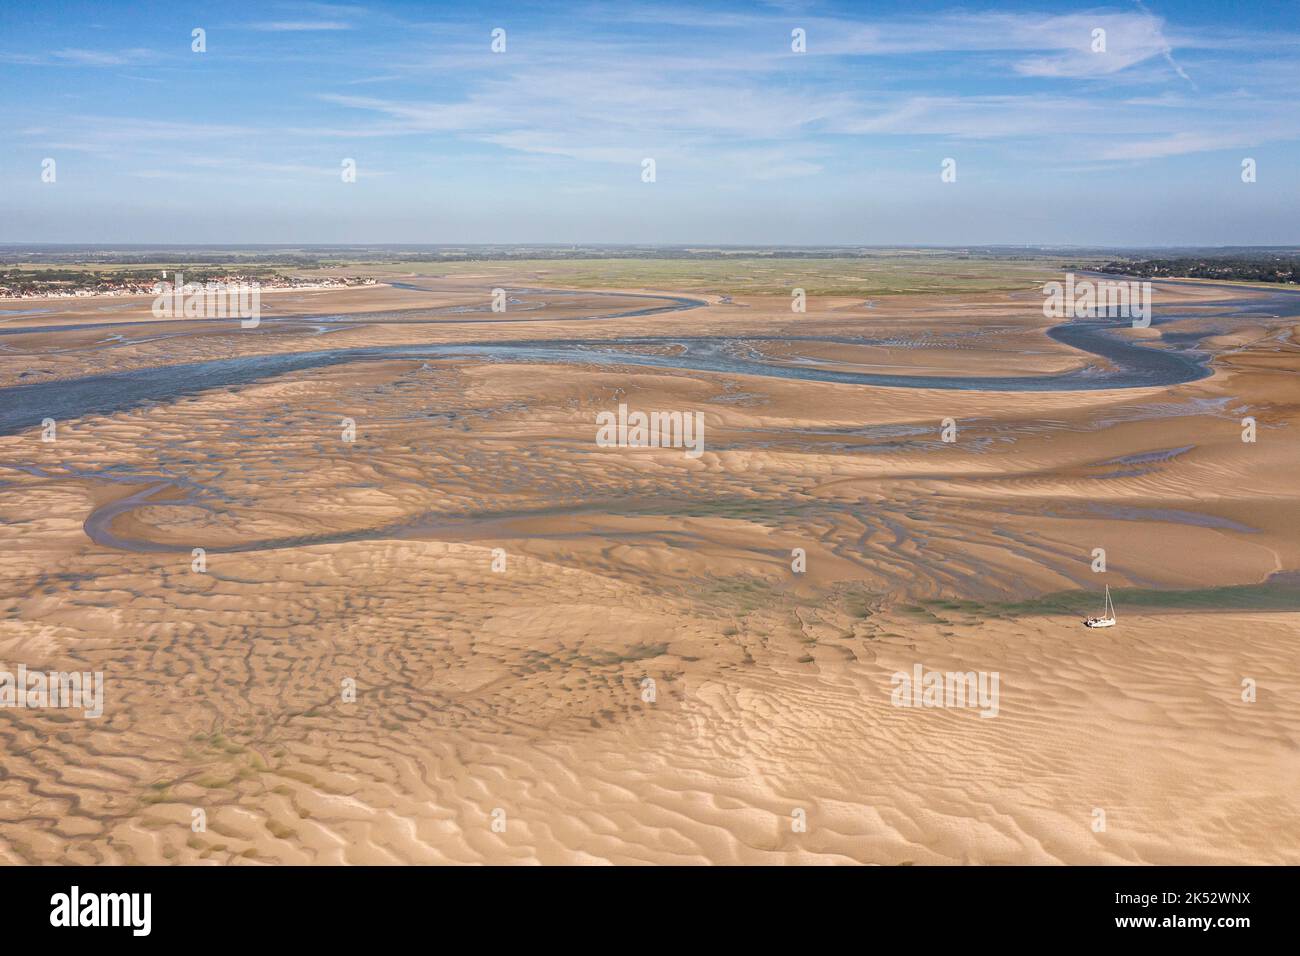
[(523, 690)]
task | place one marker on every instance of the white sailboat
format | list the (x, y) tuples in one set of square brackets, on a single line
[(1107, 618)]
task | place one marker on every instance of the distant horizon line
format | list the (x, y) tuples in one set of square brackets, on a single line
[(629, 245)]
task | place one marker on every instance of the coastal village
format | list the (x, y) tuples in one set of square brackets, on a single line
[(18, 285)]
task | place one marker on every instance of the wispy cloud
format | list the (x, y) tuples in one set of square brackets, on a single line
[(715, 95), (70, 56), (299, 26)]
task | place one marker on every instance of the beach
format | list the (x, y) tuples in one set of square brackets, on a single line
[(472, 633)]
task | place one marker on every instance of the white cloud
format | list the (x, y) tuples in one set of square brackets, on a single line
[(299, 26)]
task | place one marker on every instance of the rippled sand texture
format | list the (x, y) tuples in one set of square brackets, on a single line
[(517, 697)]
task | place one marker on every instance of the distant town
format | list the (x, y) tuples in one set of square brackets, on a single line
[(1283, 269), (67, 284)]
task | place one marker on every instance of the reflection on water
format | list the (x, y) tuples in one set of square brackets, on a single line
[(1129, 364)]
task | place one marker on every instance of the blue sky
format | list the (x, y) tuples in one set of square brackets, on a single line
[(753, 143)]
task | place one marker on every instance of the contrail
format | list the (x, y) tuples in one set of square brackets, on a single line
[(1168, 50)]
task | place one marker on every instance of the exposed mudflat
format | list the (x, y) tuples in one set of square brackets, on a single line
[(523, 690)]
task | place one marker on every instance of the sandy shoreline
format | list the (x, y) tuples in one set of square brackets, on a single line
[(524, 690)]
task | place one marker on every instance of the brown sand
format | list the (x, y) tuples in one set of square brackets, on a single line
[(522, 691)]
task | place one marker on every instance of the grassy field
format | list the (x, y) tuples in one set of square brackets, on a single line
[(893, 272), (901, 274)]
